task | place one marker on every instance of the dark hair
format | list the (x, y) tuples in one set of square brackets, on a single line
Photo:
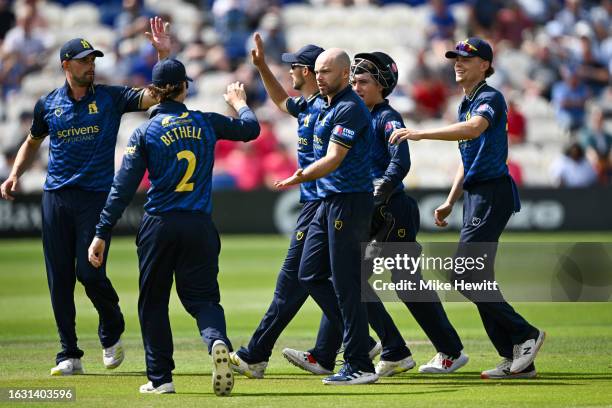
[(165, 92), (574, 146), (490, 71)]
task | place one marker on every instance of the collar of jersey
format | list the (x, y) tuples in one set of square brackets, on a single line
[(381, 105), (340, 95), (313, 97), (477, 88), (90, 91), (168, 107)]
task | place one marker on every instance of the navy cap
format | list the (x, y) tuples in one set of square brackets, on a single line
[(307, 55), (78, 48), (169, 71), (472, 47)]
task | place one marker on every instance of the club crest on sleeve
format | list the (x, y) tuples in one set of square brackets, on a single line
[(299, 235), (401, 232), (476, 221), (338, 225)]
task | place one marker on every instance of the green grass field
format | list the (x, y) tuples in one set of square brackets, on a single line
[(575, 367)]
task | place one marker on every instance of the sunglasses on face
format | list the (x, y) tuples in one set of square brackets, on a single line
[(294, 66)]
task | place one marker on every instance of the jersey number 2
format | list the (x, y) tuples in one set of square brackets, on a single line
[(184, 185)]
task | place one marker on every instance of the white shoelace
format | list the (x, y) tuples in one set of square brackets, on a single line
[(505, 364), (438, 358), (516, 351)]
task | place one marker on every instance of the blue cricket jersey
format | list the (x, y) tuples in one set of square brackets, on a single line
[(346, 121), (82, 134), (390, 162), (485, 157), (306, 111), (177, 147)]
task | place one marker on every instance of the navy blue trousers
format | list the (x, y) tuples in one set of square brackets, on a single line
[(289, 296), (184, 246), (487, 207), (339, 226), (429, 315), (69, 218)]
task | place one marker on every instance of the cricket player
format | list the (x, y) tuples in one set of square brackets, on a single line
[(342, 141), (177, 238), (373, 77), (489, 193), (82, 119), (289, 294)]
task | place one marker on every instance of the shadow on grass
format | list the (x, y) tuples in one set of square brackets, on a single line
[(463, 379), (575, 376), (320, 394), (480, 383), (117, 374)]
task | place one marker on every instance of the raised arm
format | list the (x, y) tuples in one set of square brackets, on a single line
[(159, 36), (245, 128), (273, 87)]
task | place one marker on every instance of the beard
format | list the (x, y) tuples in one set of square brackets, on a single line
[(84, 80), (298, 83)]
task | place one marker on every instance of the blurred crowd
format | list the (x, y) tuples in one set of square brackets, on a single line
[(563, 49)]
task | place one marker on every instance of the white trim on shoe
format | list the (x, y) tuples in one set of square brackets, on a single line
[(502, 372), (148, 388), (386, 368), (70, 366), (444, 364), (305, 361), (113, 356), (253, 371), (353, 378)]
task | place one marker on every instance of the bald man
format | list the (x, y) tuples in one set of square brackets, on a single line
[(342, 140)]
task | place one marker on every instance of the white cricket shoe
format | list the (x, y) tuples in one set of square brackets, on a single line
[(113, 356), (222, 376), (443, 364), (70, 366), (502, 372), (349, 376), (524, 353), (386, 368), (240, 366), (305, 361), (148, 388), (375, 350)]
